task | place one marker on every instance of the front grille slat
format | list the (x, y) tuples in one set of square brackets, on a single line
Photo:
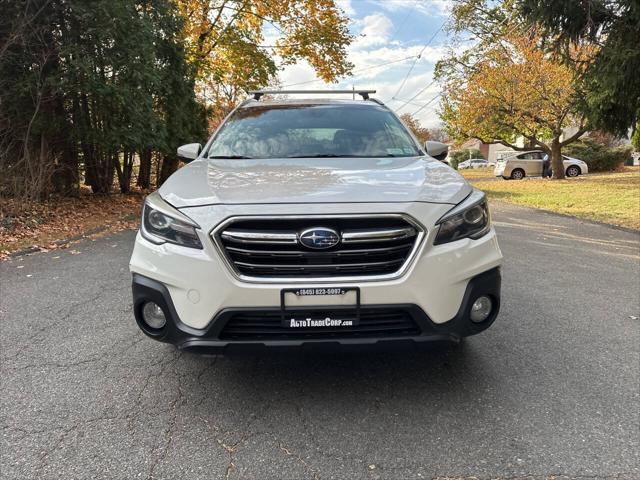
[(373, 323), (321, 266), (267, 237), (377, 245), (382, 235), (310, 254)]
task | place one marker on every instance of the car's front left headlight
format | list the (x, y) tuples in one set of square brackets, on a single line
[(160, 226), (470, 219)]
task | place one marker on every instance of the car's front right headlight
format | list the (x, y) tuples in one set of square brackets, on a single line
[(470, 219), (160, 224)]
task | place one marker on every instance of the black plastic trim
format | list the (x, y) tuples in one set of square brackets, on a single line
[(207, 340)]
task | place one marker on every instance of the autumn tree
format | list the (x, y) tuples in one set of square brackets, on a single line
[(226, 43), (506, 86), (421, 133)]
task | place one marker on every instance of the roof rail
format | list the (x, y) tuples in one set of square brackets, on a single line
[(259, 93)]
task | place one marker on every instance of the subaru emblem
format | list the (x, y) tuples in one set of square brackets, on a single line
[(319, 238)]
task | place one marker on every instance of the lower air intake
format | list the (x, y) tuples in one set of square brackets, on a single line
[(259, 326)]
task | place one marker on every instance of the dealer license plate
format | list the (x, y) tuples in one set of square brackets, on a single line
[(345, 314)]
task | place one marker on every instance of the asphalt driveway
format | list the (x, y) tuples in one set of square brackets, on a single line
[(551, 389)]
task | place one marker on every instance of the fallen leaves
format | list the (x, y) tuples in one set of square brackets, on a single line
[(59, 222)]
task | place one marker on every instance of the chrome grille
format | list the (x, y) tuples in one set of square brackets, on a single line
[(372, 246)]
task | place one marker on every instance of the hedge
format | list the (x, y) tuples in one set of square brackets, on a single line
[(598, 157), (461, 155)]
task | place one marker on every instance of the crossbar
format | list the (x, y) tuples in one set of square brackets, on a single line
[(259, 93)]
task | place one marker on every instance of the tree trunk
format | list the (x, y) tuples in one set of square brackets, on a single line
[(124, 170), (65, 178), (89, 163), (144, 174), (120, 169), (89, 151), (557, 165), (104, 171), (128, 170), (169, 165)]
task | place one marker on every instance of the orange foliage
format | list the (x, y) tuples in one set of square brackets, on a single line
[(515, 89)]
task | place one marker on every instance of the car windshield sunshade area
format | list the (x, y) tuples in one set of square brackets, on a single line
[(300, 131)]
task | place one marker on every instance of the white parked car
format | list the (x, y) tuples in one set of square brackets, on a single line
[(311, 222), (530, 164), (474, 163)]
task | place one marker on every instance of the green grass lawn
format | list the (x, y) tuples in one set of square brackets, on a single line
[(477, 173), (611, 198)]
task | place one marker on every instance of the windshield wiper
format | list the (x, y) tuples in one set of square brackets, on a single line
[(229, 157)]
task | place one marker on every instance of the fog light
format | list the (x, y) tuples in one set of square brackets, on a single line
[(481, 309), (153, 315)]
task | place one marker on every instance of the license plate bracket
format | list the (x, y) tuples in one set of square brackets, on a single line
[(314, 316)]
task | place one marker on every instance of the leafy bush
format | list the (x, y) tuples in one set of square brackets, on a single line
[(461, 155), (598, 157), (635, 138)]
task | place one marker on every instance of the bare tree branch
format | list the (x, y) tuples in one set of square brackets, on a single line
[(574, 137)]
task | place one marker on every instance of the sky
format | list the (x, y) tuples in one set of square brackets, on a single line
[(389, 31)]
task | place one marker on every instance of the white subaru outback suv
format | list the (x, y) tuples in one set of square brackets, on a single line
[(313, 222)]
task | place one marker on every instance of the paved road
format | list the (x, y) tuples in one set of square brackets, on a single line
[(551, 389)]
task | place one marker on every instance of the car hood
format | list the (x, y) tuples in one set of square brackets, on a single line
[(314, 180)]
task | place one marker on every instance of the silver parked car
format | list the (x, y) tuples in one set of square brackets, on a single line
[(529, 164)]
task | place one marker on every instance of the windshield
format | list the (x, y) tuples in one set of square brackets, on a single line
[(291, 131)]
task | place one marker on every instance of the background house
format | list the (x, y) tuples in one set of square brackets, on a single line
[(490, 151)]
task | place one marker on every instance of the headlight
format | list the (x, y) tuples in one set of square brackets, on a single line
[(470, 219), (158, 227)]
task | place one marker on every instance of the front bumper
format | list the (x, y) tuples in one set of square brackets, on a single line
[(201, 284), (212, 339)]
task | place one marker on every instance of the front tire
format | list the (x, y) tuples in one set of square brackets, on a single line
[(517, 174), (573, 171)]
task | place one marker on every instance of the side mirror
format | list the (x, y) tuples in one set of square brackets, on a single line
[(437, 150), (189, 152)]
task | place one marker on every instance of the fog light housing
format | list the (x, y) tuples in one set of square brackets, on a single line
[(153, 315), (481, 309)]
